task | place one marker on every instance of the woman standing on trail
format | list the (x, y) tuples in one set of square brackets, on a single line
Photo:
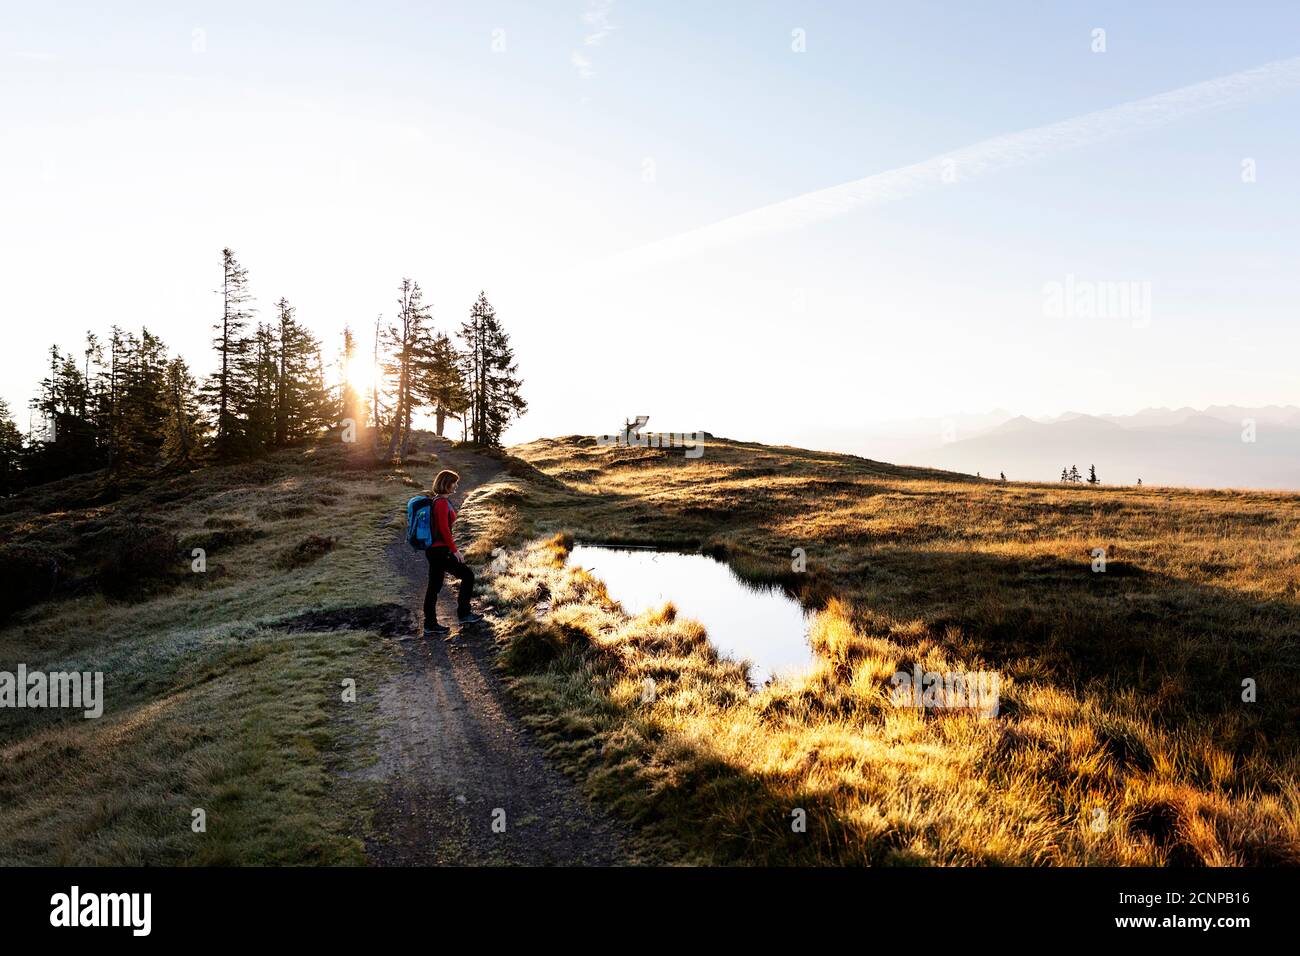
[(445, 558)]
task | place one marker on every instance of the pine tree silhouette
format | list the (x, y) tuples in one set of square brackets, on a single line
[(227, 388), (493, 375), (440, 379)]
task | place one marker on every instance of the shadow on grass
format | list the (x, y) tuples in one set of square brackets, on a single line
[(1182, 649), (1189, 646)]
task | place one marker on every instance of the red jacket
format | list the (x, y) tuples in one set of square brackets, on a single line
[(444, 516)]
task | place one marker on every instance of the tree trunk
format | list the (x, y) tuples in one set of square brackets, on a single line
[(396, 438), (374, 392), (282, 385), (406, 430), (403, 410), (225, 352)]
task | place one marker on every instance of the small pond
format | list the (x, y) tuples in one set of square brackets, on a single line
[(763, 625)]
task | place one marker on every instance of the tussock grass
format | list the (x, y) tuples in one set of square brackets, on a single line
[(208, 704), (1121, 736), (254, 740)]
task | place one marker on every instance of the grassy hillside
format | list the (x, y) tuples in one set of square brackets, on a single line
[(1122, 737), (210, 703)]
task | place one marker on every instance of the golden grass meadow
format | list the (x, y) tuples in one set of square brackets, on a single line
[(1126, 733)]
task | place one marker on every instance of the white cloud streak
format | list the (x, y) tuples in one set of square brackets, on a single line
[(971, 162), (597, 18), (583, 65)]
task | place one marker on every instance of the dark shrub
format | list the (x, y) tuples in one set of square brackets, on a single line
[(225, 521), (306, 551), (279, 512), (1124, 745), (256, 473), (139, 556), (221, 539), (28, 574), (386, 619), (175, 492), (532, 645)]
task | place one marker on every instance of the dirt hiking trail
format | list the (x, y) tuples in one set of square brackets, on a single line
[(464, 782)]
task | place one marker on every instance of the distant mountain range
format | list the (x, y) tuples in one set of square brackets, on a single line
[(1223, 446)]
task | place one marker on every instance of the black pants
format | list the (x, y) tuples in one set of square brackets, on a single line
[(441, 563)]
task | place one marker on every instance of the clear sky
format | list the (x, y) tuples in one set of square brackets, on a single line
[(521, 147)]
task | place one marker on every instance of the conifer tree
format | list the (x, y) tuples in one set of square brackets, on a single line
[(142, 402), (375, 414), (183, 429), (121, 413), (494, 384), (109, 394), (440, 379), (65, 443), (48, 400), (11, 453), (227, 389), (112, 418), (257, 408), (301, 400), (96, 413), (93, 352), (404, 340), (350, 403)]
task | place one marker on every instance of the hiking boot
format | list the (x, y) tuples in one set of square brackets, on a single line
[(436, 630), (471, 618)]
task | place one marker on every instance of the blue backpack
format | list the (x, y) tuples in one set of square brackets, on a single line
[(419, 522)]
